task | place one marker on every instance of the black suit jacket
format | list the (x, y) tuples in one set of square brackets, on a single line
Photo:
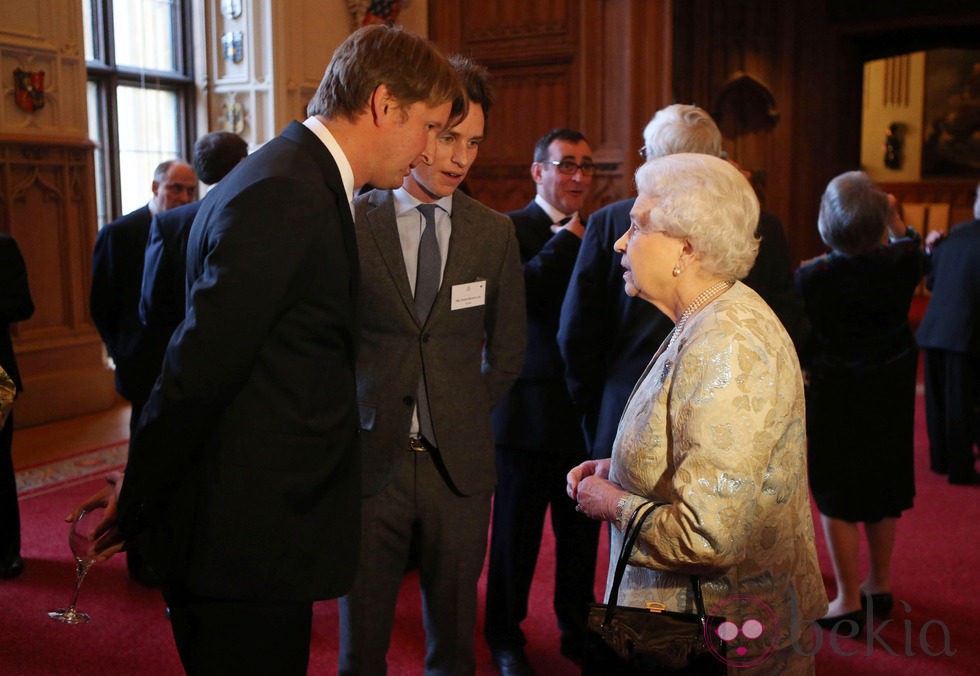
[(607, 338), (537, 413), (163, 291), (117, 275), (243, 474), (952, 318), (15, 302)]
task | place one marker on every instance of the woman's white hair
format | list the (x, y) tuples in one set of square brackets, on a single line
[(707, 201)]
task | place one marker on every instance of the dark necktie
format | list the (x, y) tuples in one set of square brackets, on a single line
[(427, 279), (429, 271)]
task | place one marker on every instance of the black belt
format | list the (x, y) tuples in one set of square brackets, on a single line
[(419, 444)]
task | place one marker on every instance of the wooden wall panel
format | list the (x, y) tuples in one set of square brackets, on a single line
[(47, 205), (599, 66)]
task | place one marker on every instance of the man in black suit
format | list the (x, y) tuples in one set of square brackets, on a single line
[(538, 434), (117, 275), (442, 339), (163, 291), (606, 337), (15, 305), (949, 335), (242, 487)]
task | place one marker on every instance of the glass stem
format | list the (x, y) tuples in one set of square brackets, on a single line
[(81, 569)]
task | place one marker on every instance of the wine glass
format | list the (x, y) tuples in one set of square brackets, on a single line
[(81, 542)]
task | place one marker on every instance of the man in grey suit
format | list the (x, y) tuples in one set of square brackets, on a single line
[(427, 380), (241, 489)]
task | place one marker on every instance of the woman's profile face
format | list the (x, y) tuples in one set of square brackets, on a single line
[(649, 254)]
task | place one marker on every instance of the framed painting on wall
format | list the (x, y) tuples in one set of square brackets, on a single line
[(951, 114)]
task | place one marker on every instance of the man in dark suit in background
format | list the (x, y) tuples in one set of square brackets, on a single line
[(949, 335), (538, 433), (606, 337), (242, 487), (442, 339), (117, 275), (15, 305), (163, 291)]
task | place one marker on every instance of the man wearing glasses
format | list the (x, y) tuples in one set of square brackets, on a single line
[(538, 433)]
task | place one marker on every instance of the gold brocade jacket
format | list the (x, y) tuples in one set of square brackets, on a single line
[(715, 428)]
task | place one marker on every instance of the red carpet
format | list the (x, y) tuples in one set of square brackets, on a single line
[(129, 634), (935, 569)]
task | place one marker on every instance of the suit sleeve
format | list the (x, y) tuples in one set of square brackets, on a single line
[(585, 324), (158, 300), (506, 324), (102, 303), (546, 274), (253, 264)]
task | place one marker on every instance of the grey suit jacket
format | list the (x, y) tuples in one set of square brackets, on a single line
[(470, 357)]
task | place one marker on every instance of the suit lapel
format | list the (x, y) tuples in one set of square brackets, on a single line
[(381, 226), (463, 254), (298, 133)]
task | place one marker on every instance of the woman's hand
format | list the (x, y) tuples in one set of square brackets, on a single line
[(599, 468), (598, 498), (589, 486)]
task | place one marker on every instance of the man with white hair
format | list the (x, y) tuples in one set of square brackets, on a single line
[(607, 338)]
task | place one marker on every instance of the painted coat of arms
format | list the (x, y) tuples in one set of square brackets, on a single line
[(29, 89)]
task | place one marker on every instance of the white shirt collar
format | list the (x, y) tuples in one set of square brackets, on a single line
[(405, 202), (346, 172), (552, 212)]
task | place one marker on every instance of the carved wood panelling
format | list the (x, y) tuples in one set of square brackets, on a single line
[(47, 204), (599, 66)]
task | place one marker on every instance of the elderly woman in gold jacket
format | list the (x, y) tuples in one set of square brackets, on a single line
[(714, 429)]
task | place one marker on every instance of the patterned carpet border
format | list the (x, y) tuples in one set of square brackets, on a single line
[(50, 476)]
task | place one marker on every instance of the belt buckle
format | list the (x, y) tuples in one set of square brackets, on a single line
[(417, 444)]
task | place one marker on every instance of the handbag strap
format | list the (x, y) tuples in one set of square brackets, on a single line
[(632, 532)]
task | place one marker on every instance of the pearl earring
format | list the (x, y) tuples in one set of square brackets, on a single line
[(677, 270)]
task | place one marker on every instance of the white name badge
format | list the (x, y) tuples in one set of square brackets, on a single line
[(469, 295)]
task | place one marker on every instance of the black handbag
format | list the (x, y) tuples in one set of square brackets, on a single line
[(624, 640)]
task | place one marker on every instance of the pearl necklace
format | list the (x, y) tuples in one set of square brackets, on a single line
[(700, 300)]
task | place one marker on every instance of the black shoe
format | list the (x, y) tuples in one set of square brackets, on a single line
[(856, 617), (971, 479), (881, 604), (573, 649), (11, 568), (512, 662)]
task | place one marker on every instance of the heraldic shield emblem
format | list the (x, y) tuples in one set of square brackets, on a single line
[(29, 89)]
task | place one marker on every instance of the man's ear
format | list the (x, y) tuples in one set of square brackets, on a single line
[(155, 186), (382, 103), (536, 170)]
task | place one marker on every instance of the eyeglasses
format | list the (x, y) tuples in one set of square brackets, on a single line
[(568, 167)]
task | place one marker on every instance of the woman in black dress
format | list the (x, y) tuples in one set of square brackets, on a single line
[(861, 362)]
